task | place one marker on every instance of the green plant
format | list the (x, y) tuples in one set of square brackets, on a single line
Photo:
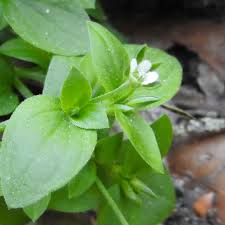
[(58, 149)]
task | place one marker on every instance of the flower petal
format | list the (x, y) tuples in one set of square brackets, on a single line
[(150, 78), (144, 67), (133, 65)]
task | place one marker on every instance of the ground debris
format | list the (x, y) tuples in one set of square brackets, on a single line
[(184, 214)]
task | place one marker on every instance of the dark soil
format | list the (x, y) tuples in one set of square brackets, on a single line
[(184, 214)]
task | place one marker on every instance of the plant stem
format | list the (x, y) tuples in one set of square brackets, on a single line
[(119, 93), (111, 202), (36, 75), (22, 88)]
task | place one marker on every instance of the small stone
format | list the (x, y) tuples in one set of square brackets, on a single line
[(204, 204)]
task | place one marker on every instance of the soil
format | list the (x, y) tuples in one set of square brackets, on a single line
[(184, 214)]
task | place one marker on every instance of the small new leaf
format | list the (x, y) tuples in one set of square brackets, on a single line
[(142, 101), (58, 71), (92, 116), (76, 92), (152, 211), (37, 209)]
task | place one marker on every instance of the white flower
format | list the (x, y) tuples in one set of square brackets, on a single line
[(142, 72)]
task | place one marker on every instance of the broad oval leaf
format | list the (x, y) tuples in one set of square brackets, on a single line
[(152, 210), (88, 4), (170, 73), (37, 209), (142, 138), (109, 57), (20, 49), (41, 151), (76, 92), (49, 25)]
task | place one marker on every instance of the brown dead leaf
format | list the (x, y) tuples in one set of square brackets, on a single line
[(204, 204)]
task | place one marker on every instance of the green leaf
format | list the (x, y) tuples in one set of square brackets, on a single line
[(97, 13), (87, 201), (107, 149), (108, 56), (163, 130), (82, 181), (76, 92), (152, 211), (6, 73), (34, 73), (88, 4), (143, 139), (0, 189), (11, 217), (20, 49), (129, 192), (3, 23), (56, 27), (170, 73), (8, 100), (130, 160), (92, 116), (87, 67), (59, 69), (142, 101), (59, 151), (37, 209), (136, 51)]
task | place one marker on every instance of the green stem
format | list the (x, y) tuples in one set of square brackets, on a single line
[(22, 88), (119, 93), (36, 75), (111, 202)]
